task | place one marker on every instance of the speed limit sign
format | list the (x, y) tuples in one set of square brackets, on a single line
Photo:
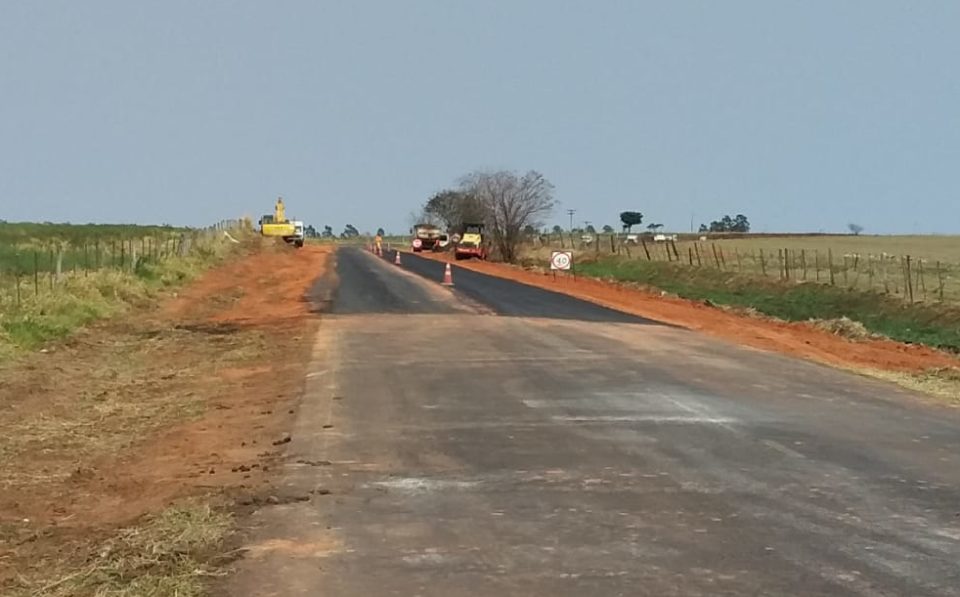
[(561, 260)]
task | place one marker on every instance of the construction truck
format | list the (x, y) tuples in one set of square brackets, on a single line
[(426, 237), (471, 243), (277, 225)]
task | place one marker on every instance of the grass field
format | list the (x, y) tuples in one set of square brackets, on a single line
[(27, 247), (55, 278), (921, 268), (933, 324)]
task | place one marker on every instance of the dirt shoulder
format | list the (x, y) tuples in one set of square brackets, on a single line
[(187, 399), (797, 339)]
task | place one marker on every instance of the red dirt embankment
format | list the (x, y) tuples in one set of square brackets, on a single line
[(797, 339), (137, 412)]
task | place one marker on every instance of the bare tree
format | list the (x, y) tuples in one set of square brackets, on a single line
[(511, 202)]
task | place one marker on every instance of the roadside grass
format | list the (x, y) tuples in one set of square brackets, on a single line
[(78, 298), (144, 363), (941, 383), (174, 552), (932, 324), (864, 262)]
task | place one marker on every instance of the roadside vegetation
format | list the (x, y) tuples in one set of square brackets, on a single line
[(932, 324), (56, 278), (130, 445), (173, 552)]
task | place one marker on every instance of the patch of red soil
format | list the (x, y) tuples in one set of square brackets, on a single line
[(797, 339), (236, 342)]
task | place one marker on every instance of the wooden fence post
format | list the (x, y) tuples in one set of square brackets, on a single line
[(803, 263), (645, 250), (921, 283), (833, 281), (36, 274), (763, 263), (909, 279), (940, 280)]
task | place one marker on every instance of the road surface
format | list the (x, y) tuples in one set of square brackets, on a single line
[(496, 439)]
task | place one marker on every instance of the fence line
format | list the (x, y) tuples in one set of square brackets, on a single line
[(911, 278), (41, 267)]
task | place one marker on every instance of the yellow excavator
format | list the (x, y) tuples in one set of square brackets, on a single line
[(277, 225)]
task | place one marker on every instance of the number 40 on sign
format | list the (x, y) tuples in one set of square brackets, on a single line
[(561, 260)]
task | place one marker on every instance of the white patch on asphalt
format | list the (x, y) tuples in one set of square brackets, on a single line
[(678, 419), (422, 485), (428, 558)]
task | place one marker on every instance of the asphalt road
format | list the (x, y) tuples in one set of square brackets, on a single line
[(445, 450), (508, 298)]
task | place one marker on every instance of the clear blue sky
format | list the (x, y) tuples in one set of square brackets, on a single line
[(804, 115)]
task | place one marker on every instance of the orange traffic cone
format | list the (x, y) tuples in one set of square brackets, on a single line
[(447, 276), (396, 260)]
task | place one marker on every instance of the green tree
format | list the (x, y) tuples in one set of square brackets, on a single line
[(629, 219), (454, 208), (558, 229), (380, 232), (739, 223), (607, 229)]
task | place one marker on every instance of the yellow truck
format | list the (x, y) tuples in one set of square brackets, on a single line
[(277, 225)]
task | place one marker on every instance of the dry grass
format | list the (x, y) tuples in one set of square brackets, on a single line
[(844, 327), (943, 384), (54, 307), (170, 553), (136, 384), (860, 262)]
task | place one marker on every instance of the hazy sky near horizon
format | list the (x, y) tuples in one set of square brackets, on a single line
[(804, 115)]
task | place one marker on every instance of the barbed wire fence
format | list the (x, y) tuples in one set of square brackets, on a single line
[(915, 279)]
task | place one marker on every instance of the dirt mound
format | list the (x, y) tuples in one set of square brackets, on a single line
[(844, 327)]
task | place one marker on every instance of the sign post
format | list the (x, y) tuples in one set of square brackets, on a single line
[(561, 260)]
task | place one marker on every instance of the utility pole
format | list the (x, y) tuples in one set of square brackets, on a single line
[(571, 212)]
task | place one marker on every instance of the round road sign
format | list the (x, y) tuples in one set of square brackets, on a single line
[(417, 243), (561, 260)]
